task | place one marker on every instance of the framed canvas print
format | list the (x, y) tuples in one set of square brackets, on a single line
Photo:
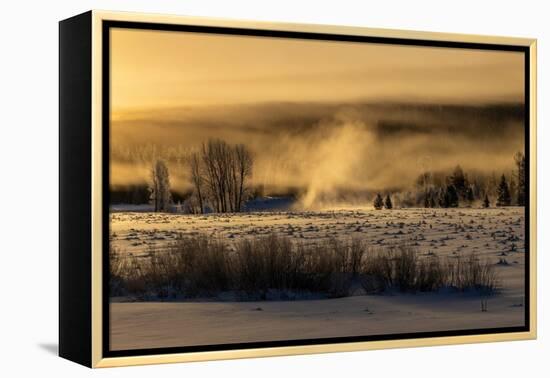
[(236, 189)]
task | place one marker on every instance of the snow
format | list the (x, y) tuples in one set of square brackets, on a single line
[(495, 234), (130, 207), (270, 204), (155, 325)]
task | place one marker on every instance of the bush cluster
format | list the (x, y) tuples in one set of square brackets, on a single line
[(200, 266)]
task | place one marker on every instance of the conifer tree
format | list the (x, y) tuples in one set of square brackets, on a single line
[(378, 202), (387, 203), (513, 191), (503, 193), (470, 195), (460, 182), (451, 196)]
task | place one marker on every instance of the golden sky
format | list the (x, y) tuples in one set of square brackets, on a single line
[(152, 69)]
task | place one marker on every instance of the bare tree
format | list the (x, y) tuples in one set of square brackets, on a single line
[(211, 176), (159, 186), (244, 168), (220, 175), (197, 177), (520, 163)]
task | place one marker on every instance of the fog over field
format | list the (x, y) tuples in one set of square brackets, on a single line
[(320, 118), (273, 189), (320, 149)]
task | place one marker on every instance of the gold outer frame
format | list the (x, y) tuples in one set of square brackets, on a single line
[(97, 342)]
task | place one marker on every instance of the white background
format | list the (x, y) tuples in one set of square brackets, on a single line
[(29, 189)]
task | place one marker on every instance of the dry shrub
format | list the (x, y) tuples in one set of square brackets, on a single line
[(265, 263), (275, 263), (400, 268), (257, 268), (125, 274), (473, 274)]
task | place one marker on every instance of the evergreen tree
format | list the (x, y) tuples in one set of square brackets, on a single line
[(513, 191), (503, 193), (486, 202), (459, 181), (451, 196), (470, 195), (387, 203), (492, 185), (378, 202)]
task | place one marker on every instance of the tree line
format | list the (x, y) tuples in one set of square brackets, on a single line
[(220, 175), (457, 189), (380, 203)]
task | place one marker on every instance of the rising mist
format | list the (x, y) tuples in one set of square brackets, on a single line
[(325, 151)]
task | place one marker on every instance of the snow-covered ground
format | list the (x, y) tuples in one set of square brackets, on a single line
[(155, 325), (493, 234)]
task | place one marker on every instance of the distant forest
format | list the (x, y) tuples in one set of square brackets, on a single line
[(220, 175), (458, 189)]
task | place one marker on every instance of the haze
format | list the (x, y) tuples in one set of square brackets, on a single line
[(318, 116)]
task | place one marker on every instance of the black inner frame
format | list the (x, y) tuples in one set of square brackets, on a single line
[(108, 25)]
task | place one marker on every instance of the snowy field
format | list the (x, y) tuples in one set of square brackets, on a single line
[(493, 234)]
